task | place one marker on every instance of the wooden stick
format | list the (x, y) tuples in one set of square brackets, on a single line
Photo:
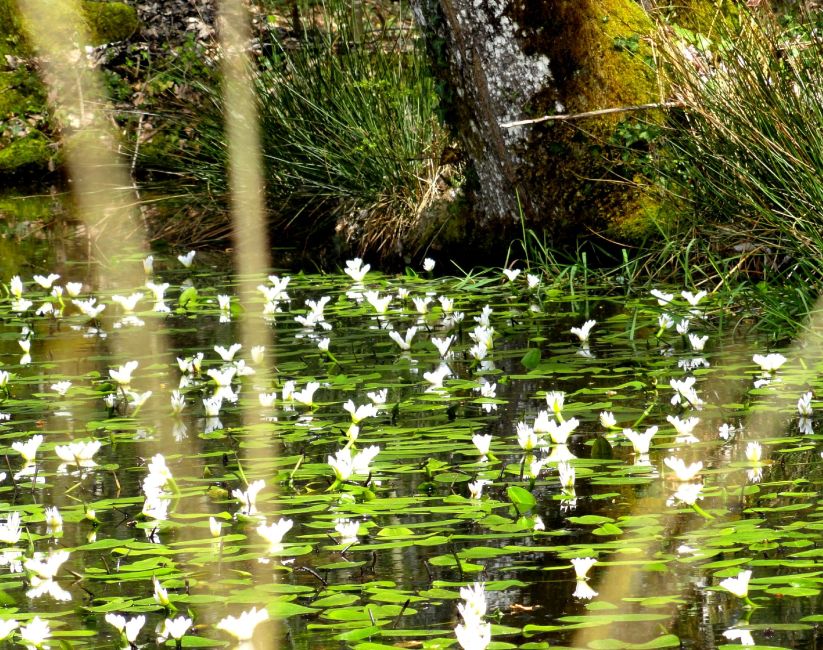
[(602, 111)]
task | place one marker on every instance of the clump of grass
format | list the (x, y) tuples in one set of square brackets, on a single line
[(747, 146), (350, 136)]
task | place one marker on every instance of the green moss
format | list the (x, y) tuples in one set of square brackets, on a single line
[(702, 15), (601, 57), (21, 92), (26, 154), (110, 21), (106, 22)]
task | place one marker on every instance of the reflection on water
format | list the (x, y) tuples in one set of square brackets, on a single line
[(419, 535)]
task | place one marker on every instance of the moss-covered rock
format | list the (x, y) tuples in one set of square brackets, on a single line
[(27, 154), (109, 21), (105, 22)]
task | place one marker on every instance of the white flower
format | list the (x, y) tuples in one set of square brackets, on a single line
[(665, 321), (123, 374), (89, 307), (804, 404), (242, 627), (212, 405), (224, 302), (161, 594), (4, 378), (378, 397), (7, 627), (533, 280), (248, 497), (360, 413), (428, 264), (138, 399), (482, 442), (662, 298), (79, 452), (446, 304), (148, 264), (341, 463), (74, 288), (347, 530), (725, 431), (555, 400), (436, 377), (769, 363), (178, 402), (288, 390), (479, 351), (381, 305), (483, 334), (583, 332), (526, 437), (275, 532), (442, 345), (356, 270), (560, 432), (215, 526), (584, 591), (744, 636), (474, 607), (46, 281), (739, 586), (266, 399), (567, 475), (641, 441), (323, 344), (754, 452), (16, 287), (10, 530), (697, 342), (53, 519), (488, 389), (227, 354), (129, 629), (693, 298), (187, 259), (28, 449), (682, 327), (582, 565), (422, 304), (306, 396), (35, 634), (128, 303), (688, 493), (222, 377), (176, 628), (25, 345), (404, 343), (684, 428), (258, 352), (511, 274), (682, 471), (474, 636), (476, 488), (685, 392), (607, 420)]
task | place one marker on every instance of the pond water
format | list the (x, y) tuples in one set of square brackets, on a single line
[(420, 524)]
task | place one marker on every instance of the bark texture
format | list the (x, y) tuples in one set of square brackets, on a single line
[(504, 60)]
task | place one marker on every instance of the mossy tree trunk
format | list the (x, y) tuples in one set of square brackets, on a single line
[(505, 60)]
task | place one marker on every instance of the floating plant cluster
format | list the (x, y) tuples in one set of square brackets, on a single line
[(476, 421)]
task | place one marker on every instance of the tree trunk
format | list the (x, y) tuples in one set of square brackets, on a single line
[(505, 60)]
